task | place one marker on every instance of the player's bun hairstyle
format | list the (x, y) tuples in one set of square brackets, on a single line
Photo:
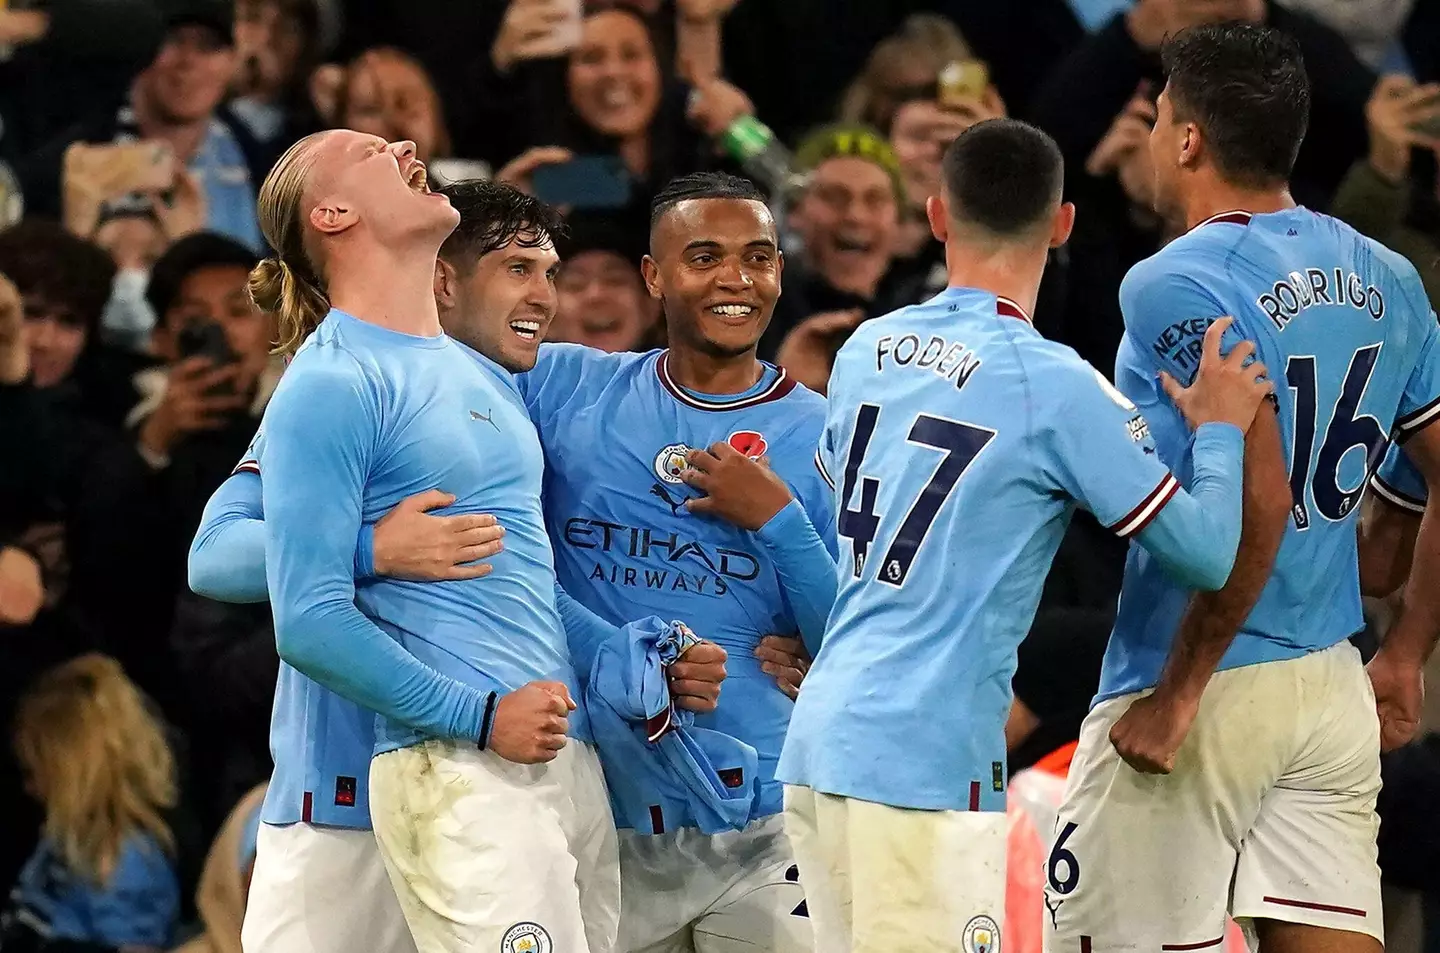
[(1245, 87), (95, 753), (288, 284), (702, 185), (1004, 176), (492, 215)]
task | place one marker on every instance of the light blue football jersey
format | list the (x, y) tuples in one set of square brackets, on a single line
[(1344, 328), (363, 418), (616, 429), (959, 442)]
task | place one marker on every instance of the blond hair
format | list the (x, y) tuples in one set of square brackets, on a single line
[(97, 757), (288, 284), (925, 42)]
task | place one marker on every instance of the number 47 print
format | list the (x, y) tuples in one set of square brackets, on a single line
[(959, 442)]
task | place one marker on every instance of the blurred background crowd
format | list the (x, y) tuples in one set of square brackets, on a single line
[(133, 368)]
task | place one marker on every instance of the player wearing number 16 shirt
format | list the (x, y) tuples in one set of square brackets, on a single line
[(959, 442), (1231, 761)]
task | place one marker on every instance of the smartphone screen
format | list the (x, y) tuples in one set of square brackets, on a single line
[(585, 182)]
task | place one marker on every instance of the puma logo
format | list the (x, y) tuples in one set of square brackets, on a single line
[(658, 490), (488, 418)]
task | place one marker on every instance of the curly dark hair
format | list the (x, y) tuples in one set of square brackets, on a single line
[(492, 215), (54, 270)]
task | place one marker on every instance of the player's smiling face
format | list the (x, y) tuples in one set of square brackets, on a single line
[(715, 263), (504, 304)]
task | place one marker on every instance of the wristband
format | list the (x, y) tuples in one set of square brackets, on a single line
[(487, 721)]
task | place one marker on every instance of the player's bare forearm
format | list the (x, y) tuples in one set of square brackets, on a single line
[(1213, 618), (1386, 541), (1412, 637)]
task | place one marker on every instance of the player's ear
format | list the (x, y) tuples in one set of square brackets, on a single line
[(447, 283), (650, 271), (332, 218), (1063, 225), (1192, 146), (938, 217)]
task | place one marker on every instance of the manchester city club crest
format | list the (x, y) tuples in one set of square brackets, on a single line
[(982, 935), (526, 938), (670, 462)]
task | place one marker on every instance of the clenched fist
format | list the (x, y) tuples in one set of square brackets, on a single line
[(530, 723)]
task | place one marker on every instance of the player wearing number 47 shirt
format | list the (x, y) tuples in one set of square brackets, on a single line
[(1267, 771), (959, 442)]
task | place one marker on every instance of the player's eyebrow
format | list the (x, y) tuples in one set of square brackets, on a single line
[(702, 243), (762, 243)]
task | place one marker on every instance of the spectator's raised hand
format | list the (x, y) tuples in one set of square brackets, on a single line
[(1401, 116), (535, 29), (94, 174), (1125, 151), (410, 543), (715, 104), (520, 170), (1149, 22), (198, 396), (185, 213), (704, 9), (14, 353), (808, 351), (22, 590)]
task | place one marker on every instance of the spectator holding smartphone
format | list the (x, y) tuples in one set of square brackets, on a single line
[(170, 148), (216, 346), (1392, 195)]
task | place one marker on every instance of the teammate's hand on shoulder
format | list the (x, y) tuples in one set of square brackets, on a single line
[(410, 543), (695, 677), (1151, 731), (785, 659), (1226, 389), (737, 489), (530, 723), (1399, 686)]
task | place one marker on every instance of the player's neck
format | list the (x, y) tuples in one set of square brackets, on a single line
[(1012, 273), (387, 288), (1217, 198), (708, 374)]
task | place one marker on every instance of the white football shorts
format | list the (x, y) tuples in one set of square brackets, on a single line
[(321, 890), (488, 855), (688, 892), (1269, 814), (879, 878)]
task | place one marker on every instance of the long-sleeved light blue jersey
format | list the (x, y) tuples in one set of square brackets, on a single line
[(363, 418), (616, 428), (959, 442), (1344, 328)]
